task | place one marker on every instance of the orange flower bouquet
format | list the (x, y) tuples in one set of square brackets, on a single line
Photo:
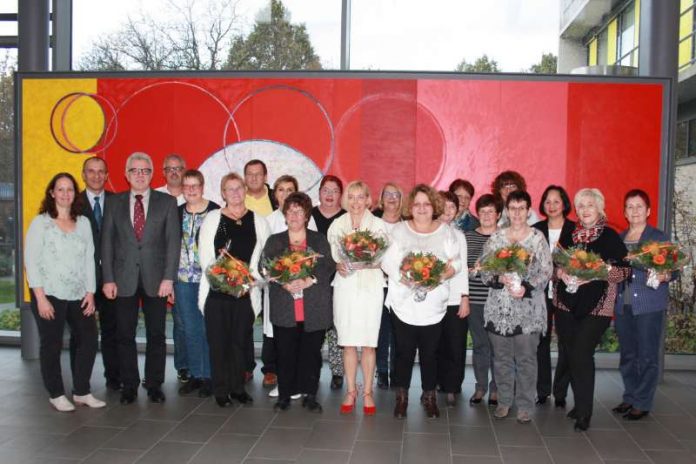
[(229, 275), (422, 272), (511, 261), (580, 264), (291, 265), (362, 248), (657, 258)]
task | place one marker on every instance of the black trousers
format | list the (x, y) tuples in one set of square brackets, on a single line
[(83, 330), (299, 360), (409, 339), (155, 312), (561, 378), (579, 338), (227, 323), (269, 355), (451, 354)]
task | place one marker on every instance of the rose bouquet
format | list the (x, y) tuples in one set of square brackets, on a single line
[(510, 261), (422, 272), (579, 264), (362, 248), (291, 265), (229, 275), (657, 258)]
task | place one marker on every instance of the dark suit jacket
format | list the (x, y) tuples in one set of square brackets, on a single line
[(566, 230), (130, 263), (87, 211), (318, 309)]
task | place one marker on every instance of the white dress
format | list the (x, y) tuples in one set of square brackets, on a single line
[(358, 298)]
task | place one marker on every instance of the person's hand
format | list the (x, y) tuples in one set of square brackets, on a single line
[(342, 269), (166, 289), (449, 271), (110, 290), (664, 277), (516, 292), (87, 304), (464, 308), (45, 308), (294, 286)]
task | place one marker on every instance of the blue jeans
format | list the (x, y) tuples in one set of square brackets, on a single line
[(639, 342), (386, 351), (193, 330)]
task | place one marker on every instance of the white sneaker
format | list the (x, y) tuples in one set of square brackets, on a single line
[(62, 404), (88, 400), (274, 394)]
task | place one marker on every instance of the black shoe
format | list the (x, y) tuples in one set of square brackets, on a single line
[(541, 400), (223, 401), (582, 424), (492, 402), (382, 380), (243, 397), (310, 402), (128, 395), (336, 382), (155, 394), (623, 408), (190, 386), (572, 414), (183, 375), (476, 399), (283, 404), (206, 389), (560, 402), (635, 414), (112, 384)]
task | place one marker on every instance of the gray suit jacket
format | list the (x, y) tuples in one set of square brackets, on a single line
[(129, 263)]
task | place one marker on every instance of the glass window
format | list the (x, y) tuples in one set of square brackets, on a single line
[(602, 47), (681, 146), (627, 36), (691, 146)]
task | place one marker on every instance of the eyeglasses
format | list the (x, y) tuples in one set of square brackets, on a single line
[(192, 186), (392, 195), (140, 171), (173, 169), (509, 186), (517, 209), (327, 191)]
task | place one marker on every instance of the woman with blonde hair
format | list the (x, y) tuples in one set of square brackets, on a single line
[(358, 297)]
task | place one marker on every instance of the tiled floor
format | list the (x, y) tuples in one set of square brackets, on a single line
[(191, 430)]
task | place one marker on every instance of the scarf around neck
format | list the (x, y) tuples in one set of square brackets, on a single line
[(586, 235)]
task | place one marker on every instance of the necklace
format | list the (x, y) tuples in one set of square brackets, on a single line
[(236, 218)]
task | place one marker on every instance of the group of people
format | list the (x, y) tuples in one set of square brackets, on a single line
[(149, 248)]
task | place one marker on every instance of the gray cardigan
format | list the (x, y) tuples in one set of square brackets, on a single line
[(318, 310)]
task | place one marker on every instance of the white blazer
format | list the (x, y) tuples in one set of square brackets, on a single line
[(208, 254)]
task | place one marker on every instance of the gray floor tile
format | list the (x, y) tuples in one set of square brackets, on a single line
[(376, 452), (333, 435), (510, 433), (476, 416), (106, 456), (473, 441), (142, 435), (225, 448), (554, 423), (267, 461), (572, 450), (79, 444), (671, 457), (680, 426), (381, 428), (651, 435), (457, 459), (296, 417), (313, 456), (615, 444), (281, 443), (525, 455), (248, 421), (169, 453), (425, 447), (417, 422), (196, 428)]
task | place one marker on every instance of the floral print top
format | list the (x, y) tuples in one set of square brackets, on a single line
[(189, 261)]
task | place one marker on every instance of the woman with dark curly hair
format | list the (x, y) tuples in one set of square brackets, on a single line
[(59, 262), (464, 190), (502, 185)]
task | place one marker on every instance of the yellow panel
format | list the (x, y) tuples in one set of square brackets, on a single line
[(686, 24), (684, 4), (592, 59), (686, 27), (636, 29), (42, 156), (611, 41)]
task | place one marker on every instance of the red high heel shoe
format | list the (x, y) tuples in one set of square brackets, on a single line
[(348, 408), (369, 410)]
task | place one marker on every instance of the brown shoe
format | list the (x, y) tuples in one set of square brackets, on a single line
[(270, 379), (401, 403), (429, 402)]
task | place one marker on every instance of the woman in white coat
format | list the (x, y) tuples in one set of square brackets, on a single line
[(228, 319), (358, 297)]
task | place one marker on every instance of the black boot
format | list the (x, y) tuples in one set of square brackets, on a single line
[(401, 403)]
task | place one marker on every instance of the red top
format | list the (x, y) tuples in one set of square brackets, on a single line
[(299, 303)]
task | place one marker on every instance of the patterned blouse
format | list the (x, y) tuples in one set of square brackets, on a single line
[(505, 315), (189, 261)]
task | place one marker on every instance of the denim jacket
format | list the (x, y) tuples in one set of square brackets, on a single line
[(644, 299)]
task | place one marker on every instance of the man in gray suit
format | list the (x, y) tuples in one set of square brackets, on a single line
[(140, 257)]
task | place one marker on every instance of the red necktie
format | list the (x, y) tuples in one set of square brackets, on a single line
[(139, 217)]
